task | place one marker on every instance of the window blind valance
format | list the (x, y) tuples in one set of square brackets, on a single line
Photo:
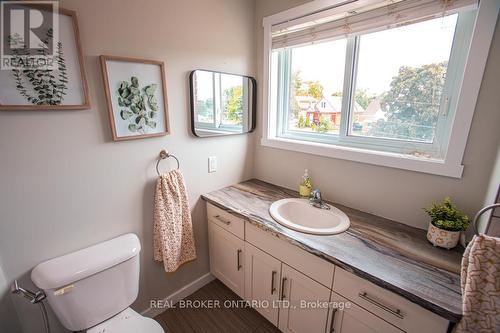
[(349, 20)]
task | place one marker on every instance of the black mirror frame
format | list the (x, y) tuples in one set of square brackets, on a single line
[(254, 102)]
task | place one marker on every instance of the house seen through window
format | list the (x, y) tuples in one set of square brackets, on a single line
[(390, 88)]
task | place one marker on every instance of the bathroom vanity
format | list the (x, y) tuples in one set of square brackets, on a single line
[(388, 277)]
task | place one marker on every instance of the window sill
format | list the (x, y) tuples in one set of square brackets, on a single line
[(392, 160)]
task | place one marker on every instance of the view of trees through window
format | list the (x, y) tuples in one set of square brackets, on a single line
[(317, 74), (398, 82), (227, 106), (233, 105)]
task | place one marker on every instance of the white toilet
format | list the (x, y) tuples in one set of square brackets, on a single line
[(91, 290)]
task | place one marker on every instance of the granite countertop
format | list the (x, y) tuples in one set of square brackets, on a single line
[(392, 255)]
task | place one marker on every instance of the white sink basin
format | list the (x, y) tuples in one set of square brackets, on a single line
[(299, 215)]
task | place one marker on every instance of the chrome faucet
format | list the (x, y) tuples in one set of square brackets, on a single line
[(316, 200)]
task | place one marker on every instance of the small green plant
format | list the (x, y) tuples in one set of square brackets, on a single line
[(447, 216), (133, 101)]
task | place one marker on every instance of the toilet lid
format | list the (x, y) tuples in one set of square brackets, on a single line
[(128, 321)]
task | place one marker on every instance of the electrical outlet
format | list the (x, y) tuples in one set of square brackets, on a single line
[(212, 164)]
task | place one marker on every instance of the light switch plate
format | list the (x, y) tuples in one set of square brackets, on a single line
[(212, 164)]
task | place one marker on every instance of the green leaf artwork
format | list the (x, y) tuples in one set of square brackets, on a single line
[(132, 100), (40, 86)]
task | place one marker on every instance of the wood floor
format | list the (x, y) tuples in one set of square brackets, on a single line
[(215, 319)]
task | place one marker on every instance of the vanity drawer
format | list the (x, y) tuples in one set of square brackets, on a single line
[(393, 308), (227, 221)]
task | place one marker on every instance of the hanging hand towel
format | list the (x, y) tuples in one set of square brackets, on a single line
[(173, 231), (481, 286)]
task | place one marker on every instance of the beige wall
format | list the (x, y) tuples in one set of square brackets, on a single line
[(65, 184), (392, 193)]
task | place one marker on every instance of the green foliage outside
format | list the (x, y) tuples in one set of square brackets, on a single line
[(301, 123), (447, 216), (308, 122), (297, 83), (304, 122), (312, 89), (412, 104), (362, 97), (323, 126), (234, 106), (315, 89)]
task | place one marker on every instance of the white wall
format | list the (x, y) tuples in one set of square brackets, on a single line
[(392, 193), (65, 184)]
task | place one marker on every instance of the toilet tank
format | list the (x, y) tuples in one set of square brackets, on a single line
[(89, 286)]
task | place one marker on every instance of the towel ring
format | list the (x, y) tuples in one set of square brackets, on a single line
[(164, 155), (478, 215)]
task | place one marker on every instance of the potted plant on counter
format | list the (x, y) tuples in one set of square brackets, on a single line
[(447, 222)]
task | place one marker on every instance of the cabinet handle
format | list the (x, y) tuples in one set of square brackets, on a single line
[(394, 312), (283, 280), (219, 218), (238, 259), (332, 328), (273, 288)]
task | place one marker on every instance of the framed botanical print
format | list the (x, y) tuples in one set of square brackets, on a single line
[(42, 69), (136, 95)]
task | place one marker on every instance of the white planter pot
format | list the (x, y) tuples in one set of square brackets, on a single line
[(442, 238)]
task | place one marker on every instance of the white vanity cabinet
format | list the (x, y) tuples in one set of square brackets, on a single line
[(262, 282), (280, 293), (297, 291), (227, 258), (305, 303)]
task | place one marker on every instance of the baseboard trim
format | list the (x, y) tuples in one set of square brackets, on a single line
[(180, 294)]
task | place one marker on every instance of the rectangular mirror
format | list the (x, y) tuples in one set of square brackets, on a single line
[(221, 103)]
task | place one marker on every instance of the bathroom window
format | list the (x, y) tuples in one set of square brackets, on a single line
[(383, 81)]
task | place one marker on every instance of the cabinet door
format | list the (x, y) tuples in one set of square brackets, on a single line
[(351, 318), (227, 258), (262, 279), (304, 307)]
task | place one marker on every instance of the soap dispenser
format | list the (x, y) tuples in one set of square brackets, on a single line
[(305, 185)]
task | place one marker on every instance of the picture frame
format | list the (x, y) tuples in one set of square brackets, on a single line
[(136, 97), (76, 90)]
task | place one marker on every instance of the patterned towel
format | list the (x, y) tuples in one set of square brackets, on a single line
[(481, 286), (173, 231)]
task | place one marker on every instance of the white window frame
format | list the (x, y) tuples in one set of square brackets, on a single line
[(451, 164)]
